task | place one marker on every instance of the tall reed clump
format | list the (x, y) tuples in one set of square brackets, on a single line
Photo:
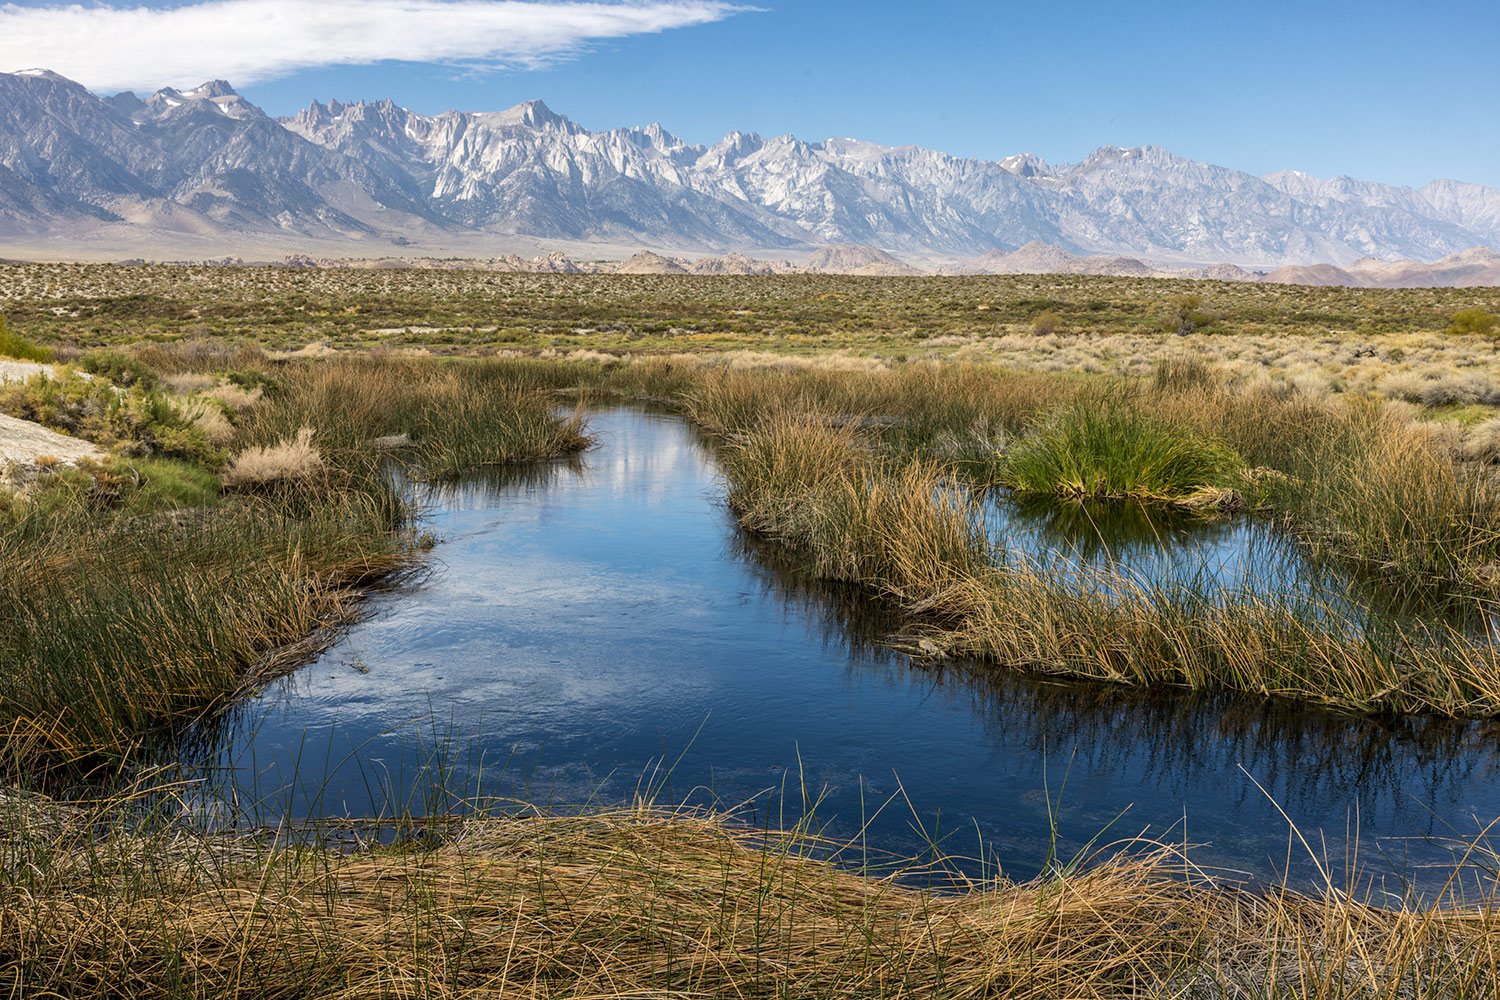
[(120, 627), (656, 903), (1369, 487), (1111, 449), (901, 531), (453, 417), (908, 534)]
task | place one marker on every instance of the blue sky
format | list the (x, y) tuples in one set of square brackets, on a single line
[(1400, 92)]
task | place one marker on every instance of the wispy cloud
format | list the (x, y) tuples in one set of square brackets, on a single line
[(110, 48)]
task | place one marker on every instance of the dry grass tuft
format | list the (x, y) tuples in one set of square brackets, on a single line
[(209, 419), (1482, 442), (291, 460), (188, 383)]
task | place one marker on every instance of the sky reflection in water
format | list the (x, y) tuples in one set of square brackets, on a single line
[(583, 623)]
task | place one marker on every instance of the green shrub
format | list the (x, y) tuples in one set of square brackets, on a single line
[(1046, 322), (120, 368), (17, 347), (1114, 451), (133, 421), (1474, 320), (1185, 315), (250, 380)]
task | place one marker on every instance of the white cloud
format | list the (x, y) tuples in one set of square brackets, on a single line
[(247, 41)]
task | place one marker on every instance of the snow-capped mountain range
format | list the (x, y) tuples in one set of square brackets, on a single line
[(209, 164)]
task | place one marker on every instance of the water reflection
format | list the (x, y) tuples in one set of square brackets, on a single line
[(1180, 742), (1091, 542), (588, 624), (1094, 531)]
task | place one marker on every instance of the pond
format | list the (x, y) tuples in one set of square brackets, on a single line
[(593, 631)]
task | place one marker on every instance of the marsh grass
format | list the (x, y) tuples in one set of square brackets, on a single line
[(913, 537), (1383, 493), (496, 900), (1110, 449), (121, 628), (458, 416)]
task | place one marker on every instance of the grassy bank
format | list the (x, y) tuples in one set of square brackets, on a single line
[(644, 902), (144, 595), (913, 538), (856, 468)]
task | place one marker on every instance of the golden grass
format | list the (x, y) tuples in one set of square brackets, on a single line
[(648, 903)]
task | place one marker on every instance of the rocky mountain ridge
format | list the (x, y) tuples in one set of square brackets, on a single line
[(206, 163)]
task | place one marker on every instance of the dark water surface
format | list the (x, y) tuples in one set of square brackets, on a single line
[(592, 629)]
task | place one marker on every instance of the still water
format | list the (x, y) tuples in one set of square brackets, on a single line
[(592, 631)]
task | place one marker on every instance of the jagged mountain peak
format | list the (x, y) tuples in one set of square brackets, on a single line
[(1133, 156), (1025, 165), (211, 90), (858, 149), (733, 147), (214, 98), (210, 156), (335, 110), (658, 136), (531, 114)]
